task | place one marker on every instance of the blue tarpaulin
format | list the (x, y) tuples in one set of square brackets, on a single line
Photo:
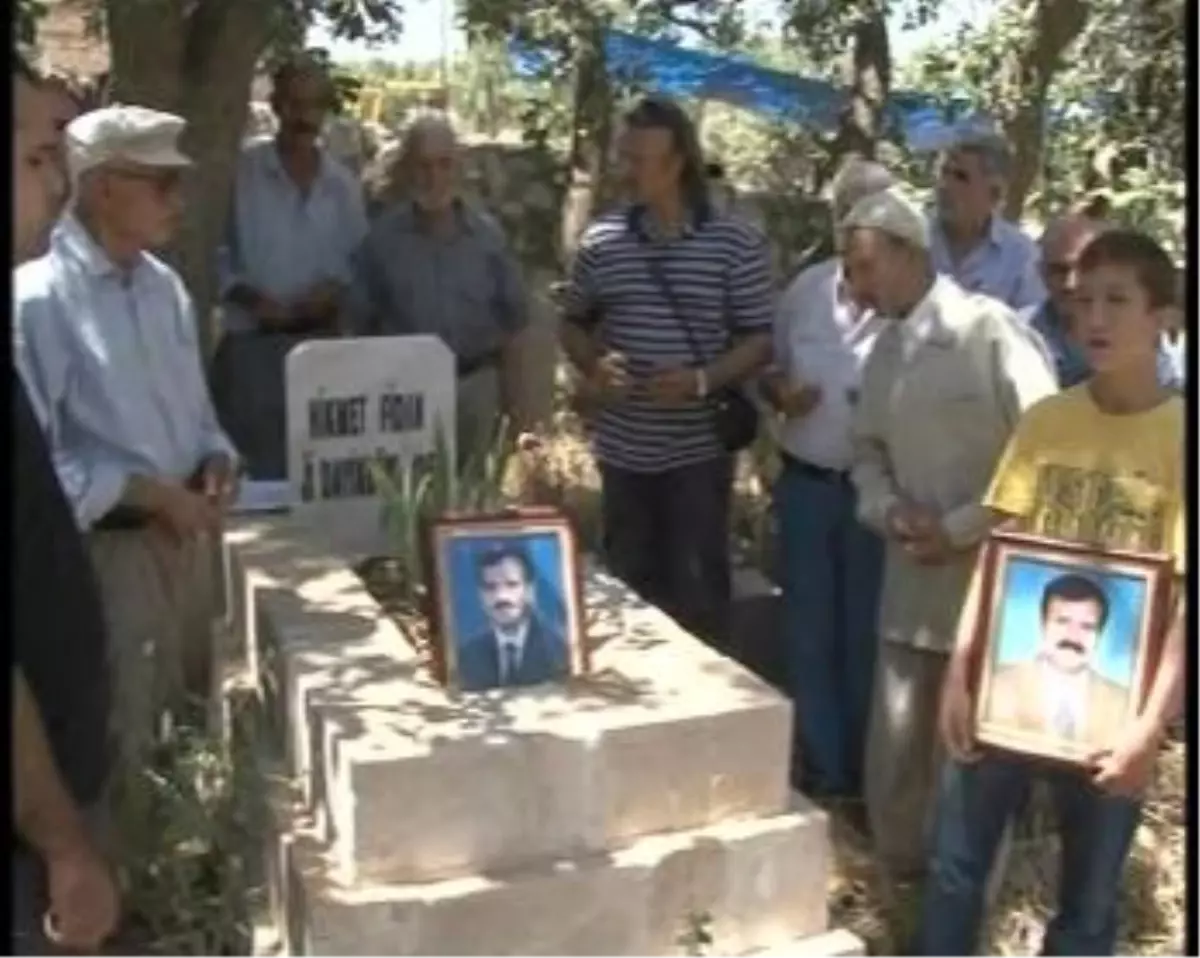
[(926, 122)]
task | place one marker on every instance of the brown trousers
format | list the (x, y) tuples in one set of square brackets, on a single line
[(159, 605)]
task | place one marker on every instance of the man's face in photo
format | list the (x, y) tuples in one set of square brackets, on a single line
[(1070, 629), (506, 593)]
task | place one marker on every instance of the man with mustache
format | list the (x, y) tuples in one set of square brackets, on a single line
[(296, 217), (970, 241), (1060, 692), (518, 648)]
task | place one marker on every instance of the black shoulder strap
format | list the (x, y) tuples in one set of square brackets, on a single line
[(654, 264)]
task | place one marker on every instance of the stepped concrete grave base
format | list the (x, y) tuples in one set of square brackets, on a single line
[(591, 817)]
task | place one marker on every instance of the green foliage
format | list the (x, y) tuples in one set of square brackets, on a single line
[(189, 822), (430, 486), (824, 27), (1118, 128), (696, 937), (25, 22)]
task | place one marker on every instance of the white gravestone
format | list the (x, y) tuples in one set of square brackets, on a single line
[(354, 402)]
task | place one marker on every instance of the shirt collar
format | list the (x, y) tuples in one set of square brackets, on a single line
[(274, 165), (993, 236), (641, 223), (408, 216), (71, 239), (516, 638), (927, 322)]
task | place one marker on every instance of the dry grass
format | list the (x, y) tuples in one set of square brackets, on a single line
[(1153, 913), (560, 471)]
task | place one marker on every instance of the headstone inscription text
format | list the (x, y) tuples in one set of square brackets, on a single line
[(353, 403)]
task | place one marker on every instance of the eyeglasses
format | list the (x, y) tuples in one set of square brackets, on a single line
[(164, 182)]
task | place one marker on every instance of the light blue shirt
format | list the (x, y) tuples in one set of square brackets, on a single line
[(1004, 265), (282, 243), (112, 365)]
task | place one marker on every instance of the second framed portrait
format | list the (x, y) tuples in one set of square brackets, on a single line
[(506, 600), (1071, 639)]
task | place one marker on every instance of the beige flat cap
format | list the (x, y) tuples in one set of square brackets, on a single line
[(893, 213), (130, 134)]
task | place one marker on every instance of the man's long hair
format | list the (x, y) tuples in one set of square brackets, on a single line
[(662, 113)]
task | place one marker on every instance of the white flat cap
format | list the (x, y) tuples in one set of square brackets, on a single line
[(858, 178), (132, 134), (890, 212)]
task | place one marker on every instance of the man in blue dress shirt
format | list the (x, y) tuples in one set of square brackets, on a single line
[(105, 341), (971, 242)]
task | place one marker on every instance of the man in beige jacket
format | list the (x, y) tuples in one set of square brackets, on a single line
[(943, 388)]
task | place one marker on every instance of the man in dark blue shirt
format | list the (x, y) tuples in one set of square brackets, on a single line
[(64, 896)]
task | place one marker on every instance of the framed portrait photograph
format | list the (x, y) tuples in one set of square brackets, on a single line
[(1071, 639), (506, 600)]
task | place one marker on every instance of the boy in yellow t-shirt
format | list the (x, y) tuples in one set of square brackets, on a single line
[(1101, 463)]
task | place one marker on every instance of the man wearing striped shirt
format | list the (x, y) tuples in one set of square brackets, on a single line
[(667, 302)]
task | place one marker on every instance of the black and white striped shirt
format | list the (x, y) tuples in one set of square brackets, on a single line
[(720, 275)]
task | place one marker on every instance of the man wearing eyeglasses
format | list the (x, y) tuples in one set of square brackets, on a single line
[(105, 341), (1062, 242), (971, 242)]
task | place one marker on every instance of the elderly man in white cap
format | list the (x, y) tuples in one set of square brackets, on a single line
[(105, 340), (831, 563), (942, 390)]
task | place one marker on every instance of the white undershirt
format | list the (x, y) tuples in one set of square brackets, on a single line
[(514, 639), (1061, 692), (823, 339)]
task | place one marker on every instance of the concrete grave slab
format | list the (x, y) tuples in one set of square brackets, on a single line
[(663, 735)]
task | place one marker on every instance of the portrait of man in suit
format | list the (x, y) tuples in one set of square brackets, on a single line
[(518, 647), (1060, 691)]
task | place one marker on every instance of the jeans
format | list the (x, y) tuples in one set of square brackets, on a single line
[(666, 535), (832, 571), (974, 804)]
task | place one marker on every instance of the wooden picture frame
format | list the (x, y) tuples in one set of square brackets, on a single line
[(535, 546), (1069, 640)]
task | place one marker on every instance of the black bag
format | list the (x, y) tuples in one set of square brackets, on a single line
[(735, 416)]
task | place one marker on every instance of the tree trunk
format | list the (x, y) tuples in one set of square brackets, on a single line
[(196, 59), (868, 77), (591, 135), (592, 112), (1056, 25)]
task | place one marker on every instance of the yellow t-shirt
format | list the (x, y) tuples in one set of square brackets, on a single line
[(1074, 473)]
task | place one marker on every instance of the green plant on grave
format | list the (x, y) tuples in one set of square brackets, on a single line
[(189, 825), (425, 487), (696, 937)]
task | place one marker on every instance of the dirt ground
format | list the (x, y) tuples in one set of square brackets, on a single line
[(1153, 920)]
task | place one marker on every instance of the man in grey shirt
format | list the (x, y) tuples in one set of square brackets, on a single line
[(433, 264)]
